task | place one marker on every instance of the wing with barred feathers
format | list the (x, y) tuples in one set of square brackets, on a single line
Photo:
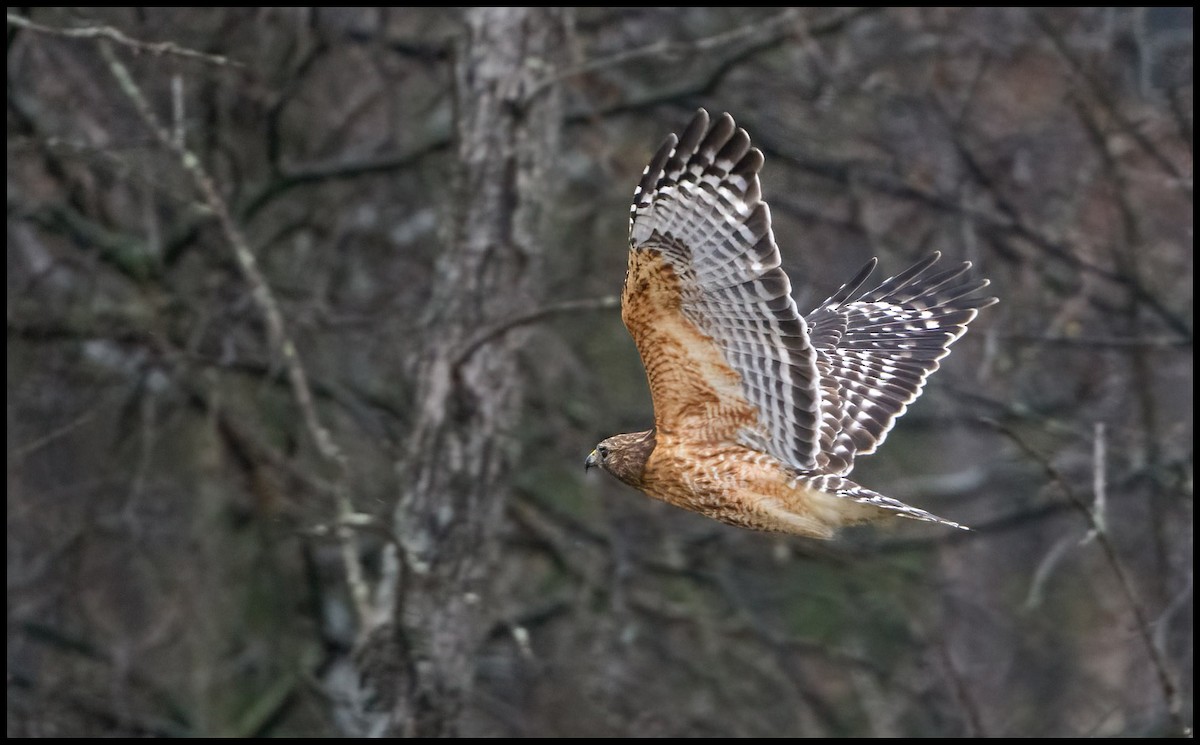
[(879, 349), (726, 352)]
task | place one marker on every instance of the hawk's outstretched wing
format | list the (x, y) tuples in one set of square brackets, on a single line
[(725, 349), (879, 349)]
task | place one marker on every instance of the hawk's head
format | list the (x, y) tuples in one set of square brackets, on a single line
[(624, 456)]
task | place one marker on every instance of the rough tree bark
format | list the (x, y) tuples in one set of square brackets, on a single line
[(416, 662)]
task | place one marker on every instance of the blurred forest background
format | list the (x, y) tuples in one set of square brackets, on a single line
[(312, 321)]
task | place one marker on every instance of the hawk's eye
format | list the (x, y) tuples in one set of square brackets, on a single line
[(603, 450)]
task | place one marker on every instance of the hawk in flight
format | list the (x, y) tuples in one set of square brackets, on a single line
[(759, 412)]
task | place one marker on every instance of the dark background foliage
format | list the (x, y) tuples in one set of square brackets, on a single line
[(186, 554)]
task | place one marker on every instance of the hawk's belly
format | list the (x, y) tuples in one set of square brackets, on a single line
[(742, 487)]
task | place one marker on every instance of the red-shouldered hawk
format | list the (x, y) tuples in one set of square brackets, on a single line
[(759, 412)]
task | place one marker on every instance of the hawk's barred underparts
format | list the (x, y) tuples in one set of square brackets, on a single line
[(759, 412)]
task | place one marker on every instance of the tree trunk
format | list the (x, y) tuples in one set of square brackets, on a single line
[(416, 665)]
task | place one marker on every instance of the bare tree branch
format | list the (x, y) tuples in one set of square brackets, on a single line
[(535, 316), (108, 33)]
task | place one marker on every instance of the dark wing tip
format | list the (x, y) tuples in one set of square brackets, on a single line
[(655, 167), (846, 291), (863, 273), (695, 129)]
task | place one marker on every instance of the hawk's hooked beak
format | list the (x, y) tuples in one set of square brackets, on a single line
[(593, 459)]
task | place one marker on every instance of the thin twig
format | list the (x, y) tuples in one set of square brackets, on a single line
[(960, 687), (503, 327), (291, 177), (22, 451), (108, 33), (1046, 567), (1099, 482)]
